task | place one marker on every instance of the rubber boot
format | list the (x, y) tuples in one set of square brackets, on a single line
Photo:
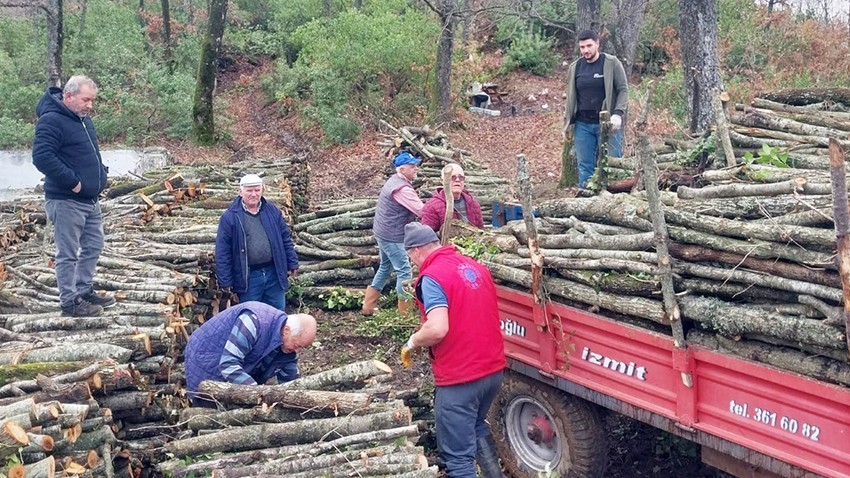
[(370, 301), (488, 460), (404, 306)]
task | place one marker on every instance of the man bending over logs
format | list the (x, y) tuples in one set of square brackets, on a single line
[(248, 343)]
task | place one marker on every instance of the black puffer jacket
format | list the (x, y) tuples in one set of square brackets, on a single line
[(65, 150)]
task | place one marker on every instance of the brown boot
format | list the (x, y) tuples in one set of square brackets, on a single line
[(370, 301), (404, 306)]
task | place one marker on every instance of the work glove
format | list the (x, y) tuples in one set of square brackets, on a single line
[(616, 122), (407, 353)]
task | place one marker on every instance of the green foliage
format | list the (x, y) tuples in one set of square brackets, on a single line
[(703, 147), (669, 93), (340, 298), (386, 322), (473, 247), (768, 156), (14, 132), (295, 292), (531, 52), (349, 64)]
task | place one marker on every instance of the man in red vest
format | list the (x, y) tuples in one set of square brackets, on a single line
[(457, 298)]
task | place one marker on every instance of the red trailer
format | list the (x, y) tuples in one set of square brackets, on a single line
[(750, 419)]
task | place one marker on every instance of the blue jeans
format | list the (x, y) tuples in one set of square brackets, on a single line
[(586, 137), (78, 233), (264, 286), (393, 257), (461, 411)]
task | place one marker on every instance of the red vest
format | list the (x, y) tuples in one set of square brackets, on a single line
[(473, 347)]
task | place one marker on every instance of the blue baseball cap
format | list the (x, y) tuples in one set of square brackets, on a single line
[(405, 158)]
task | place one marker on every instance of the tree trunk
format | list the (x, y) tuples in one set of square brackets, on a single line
[(342, 403), (808, 96), (55, 41), (698, 34), (179, 469), (339, 460), (734, 320), (351, 376), (203, 123), (821, 368), (569, 164), (587, 15), (276, 434), (445, 50), (628, 19), (166, 35)]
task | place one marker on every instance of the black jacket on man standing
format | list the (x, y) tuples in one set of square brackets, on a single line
[(65, 150)]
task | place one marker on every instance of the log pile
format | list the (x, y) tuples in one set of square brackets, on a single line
[(753, 249)]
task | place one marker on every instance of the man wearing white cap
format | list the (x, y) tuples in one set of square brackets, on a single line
[(254, 254)]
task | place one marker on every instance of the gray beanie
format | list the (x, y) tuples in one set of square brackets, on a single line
[(417, 234)]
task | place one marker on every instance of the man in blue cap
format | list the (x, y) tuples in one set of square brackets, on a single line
[(398, 204)]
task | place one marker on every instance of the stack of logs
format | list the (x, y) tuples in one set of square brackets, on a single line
[(754, 249)]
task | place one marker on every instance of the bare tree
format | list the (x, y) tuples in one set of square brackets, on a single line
[(203, 124), (54, 12), (628, 19), (698, 36), (55, 41), (445, 49), (588, 15)]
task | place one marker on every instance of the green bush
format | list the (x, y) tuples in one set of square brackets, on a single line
[(349, 64), (15, 133), (531, 52)]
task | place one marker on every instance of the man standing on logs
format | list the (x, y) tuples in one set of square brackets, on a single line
[(248, 343), (466, 208), (254, 253), (596, 82), (398, 204), (65, 150), (457, 298)]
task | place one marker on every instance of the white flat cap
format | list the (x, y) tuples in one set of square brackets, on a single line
[(251, 180)]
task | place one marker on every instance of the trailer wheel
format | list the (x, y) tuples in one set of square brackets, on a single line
[(535, 425)]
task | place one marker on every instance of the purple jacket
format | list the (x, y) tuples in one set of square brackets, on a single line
[(203, 351), (435, 210)]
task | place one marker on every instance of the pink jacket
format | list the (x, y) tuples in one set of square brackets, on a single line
[(435, 210)]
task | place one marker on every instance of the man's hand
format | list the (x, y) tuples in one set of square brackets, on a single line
[(293, 273), (407, 353), (76, 189), (616, 122)]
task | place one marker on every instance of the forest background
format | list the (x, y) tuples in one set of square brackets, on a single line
[(336, 68)]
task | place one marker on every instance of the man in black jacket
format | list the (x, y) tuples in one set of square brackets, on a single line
[(65, 150)]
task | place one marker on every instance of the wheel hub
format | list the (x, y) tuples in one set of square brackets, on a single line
[(540, 430)]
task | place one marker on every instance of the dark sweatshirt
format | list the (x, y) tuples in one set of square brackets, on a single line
[(65, 150)]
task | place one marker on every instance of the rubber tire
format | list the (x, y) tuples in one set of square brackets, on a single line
[(573, 419)]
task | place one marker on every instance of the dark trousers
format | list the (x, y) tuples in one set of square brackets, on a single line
[(461, 411)]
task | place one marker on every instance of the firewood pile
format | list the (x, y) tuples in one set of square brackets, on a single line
[(753, 249)]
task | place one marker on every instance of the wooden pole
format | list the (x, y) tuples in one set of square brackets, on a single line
[(722, 127), (659, 225), (841, 212), (446, 228), (524, 179)]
